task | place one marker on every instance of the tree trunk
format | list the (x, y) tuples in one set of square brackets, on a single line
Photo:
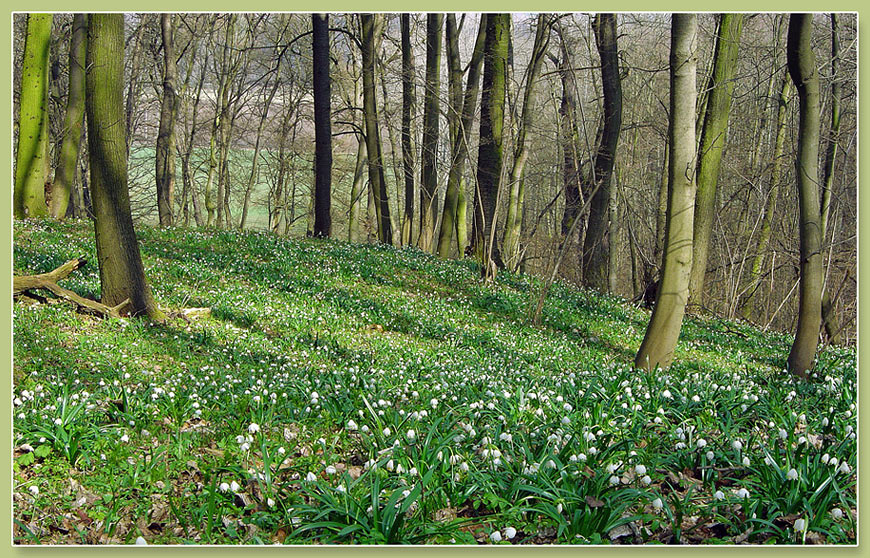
[(322, 127), (67, 161), (29, 198), (371, 28), (451, 222), (754, 282), (829, 316), (568, 139), (408, 101), (489, 158), (165, 154), (431, 108), (712, 144), (657, 348), (597, 241), (802, 68), (514, 217), (122, 274)]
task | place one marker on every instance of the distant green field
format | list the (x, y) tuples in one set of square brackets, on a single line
[(143, 192)]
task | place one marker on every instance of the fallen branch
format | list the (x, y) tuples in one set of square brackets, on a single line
[(21, 284)]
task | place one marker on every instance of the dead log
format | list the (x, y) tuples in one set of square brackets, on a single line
[(22, 284)]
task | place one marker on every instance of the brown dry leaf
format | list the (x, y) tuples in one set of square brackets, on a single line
[(214, 452), (593, 502), (445, 514)]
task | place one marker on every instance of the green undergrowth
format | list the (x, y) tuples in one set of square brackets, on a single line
[(315, 391)]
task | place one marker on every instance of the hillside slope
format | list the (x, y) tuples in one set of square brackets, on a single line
[(356, 393)]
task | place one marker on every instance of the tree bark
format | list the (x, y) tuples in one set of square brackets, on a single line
[(408, 102), (596, 246), (431, 109), (802, 69), (660, 340), (514, 217), (67, 161), (451, 221), (165, 154), (489, 158), (29, 193), (754, 283), (322, 127), (122, 275), (712, 144), (371, 28)]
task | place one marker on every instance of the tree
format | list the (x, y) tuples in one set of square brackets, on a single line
[(29, 193), (660, 340), (322, 126), (597, 242), (165, 155), (720, 91), (453, 215), (67, 161), (122, 275), (489, 155), (516, 181), (408, 101), (753, 284), (803, 72), (371, 29), (431, 108)]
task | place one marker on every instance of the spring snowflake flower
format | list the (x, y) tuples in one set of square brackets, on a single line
[(800, 525), (845, 468), (140, 541), (495, 536), (837, 514), (742, 493), (125, 438), (746, 461), (223, 487), (411, 435), (34, 490), (657, 504), (330, 470), (640, 469), (646, 480), (253, 428), (719, 495), (737, 445), (270, 502), (614, 480), (792, 474), (387, 431), (667, 394), (510, 532), (351, 425), (701, 442), (310, 477)]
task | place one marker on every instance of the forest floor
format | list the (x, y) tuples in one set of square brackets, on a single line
[(324, 392)]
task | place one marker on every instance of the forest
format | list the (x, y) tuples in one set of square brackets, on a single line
[(425, 278)]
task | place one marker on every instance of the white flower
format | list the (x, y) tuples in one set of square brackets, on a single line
[(495, 536), (837, 513), (510, 532), (330, 470), (743, 493), (253, 428), (800, 525), (701, 442), (667, 394), (719, 495), (640, 469), (746, 461), (245, 447), (844, 468), (710, 456), (141, 541), (826, 458), (58, 422), (695, 398), (234, 486), (614, 480), (270, 502), (310, 477), (646, 480), (411, 435), (34, 490), (657, 504), (223, 487), (792, 474), (351, 425), (783, 434), (566, 421), (341, 488), (387, 431), (737, 445)]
